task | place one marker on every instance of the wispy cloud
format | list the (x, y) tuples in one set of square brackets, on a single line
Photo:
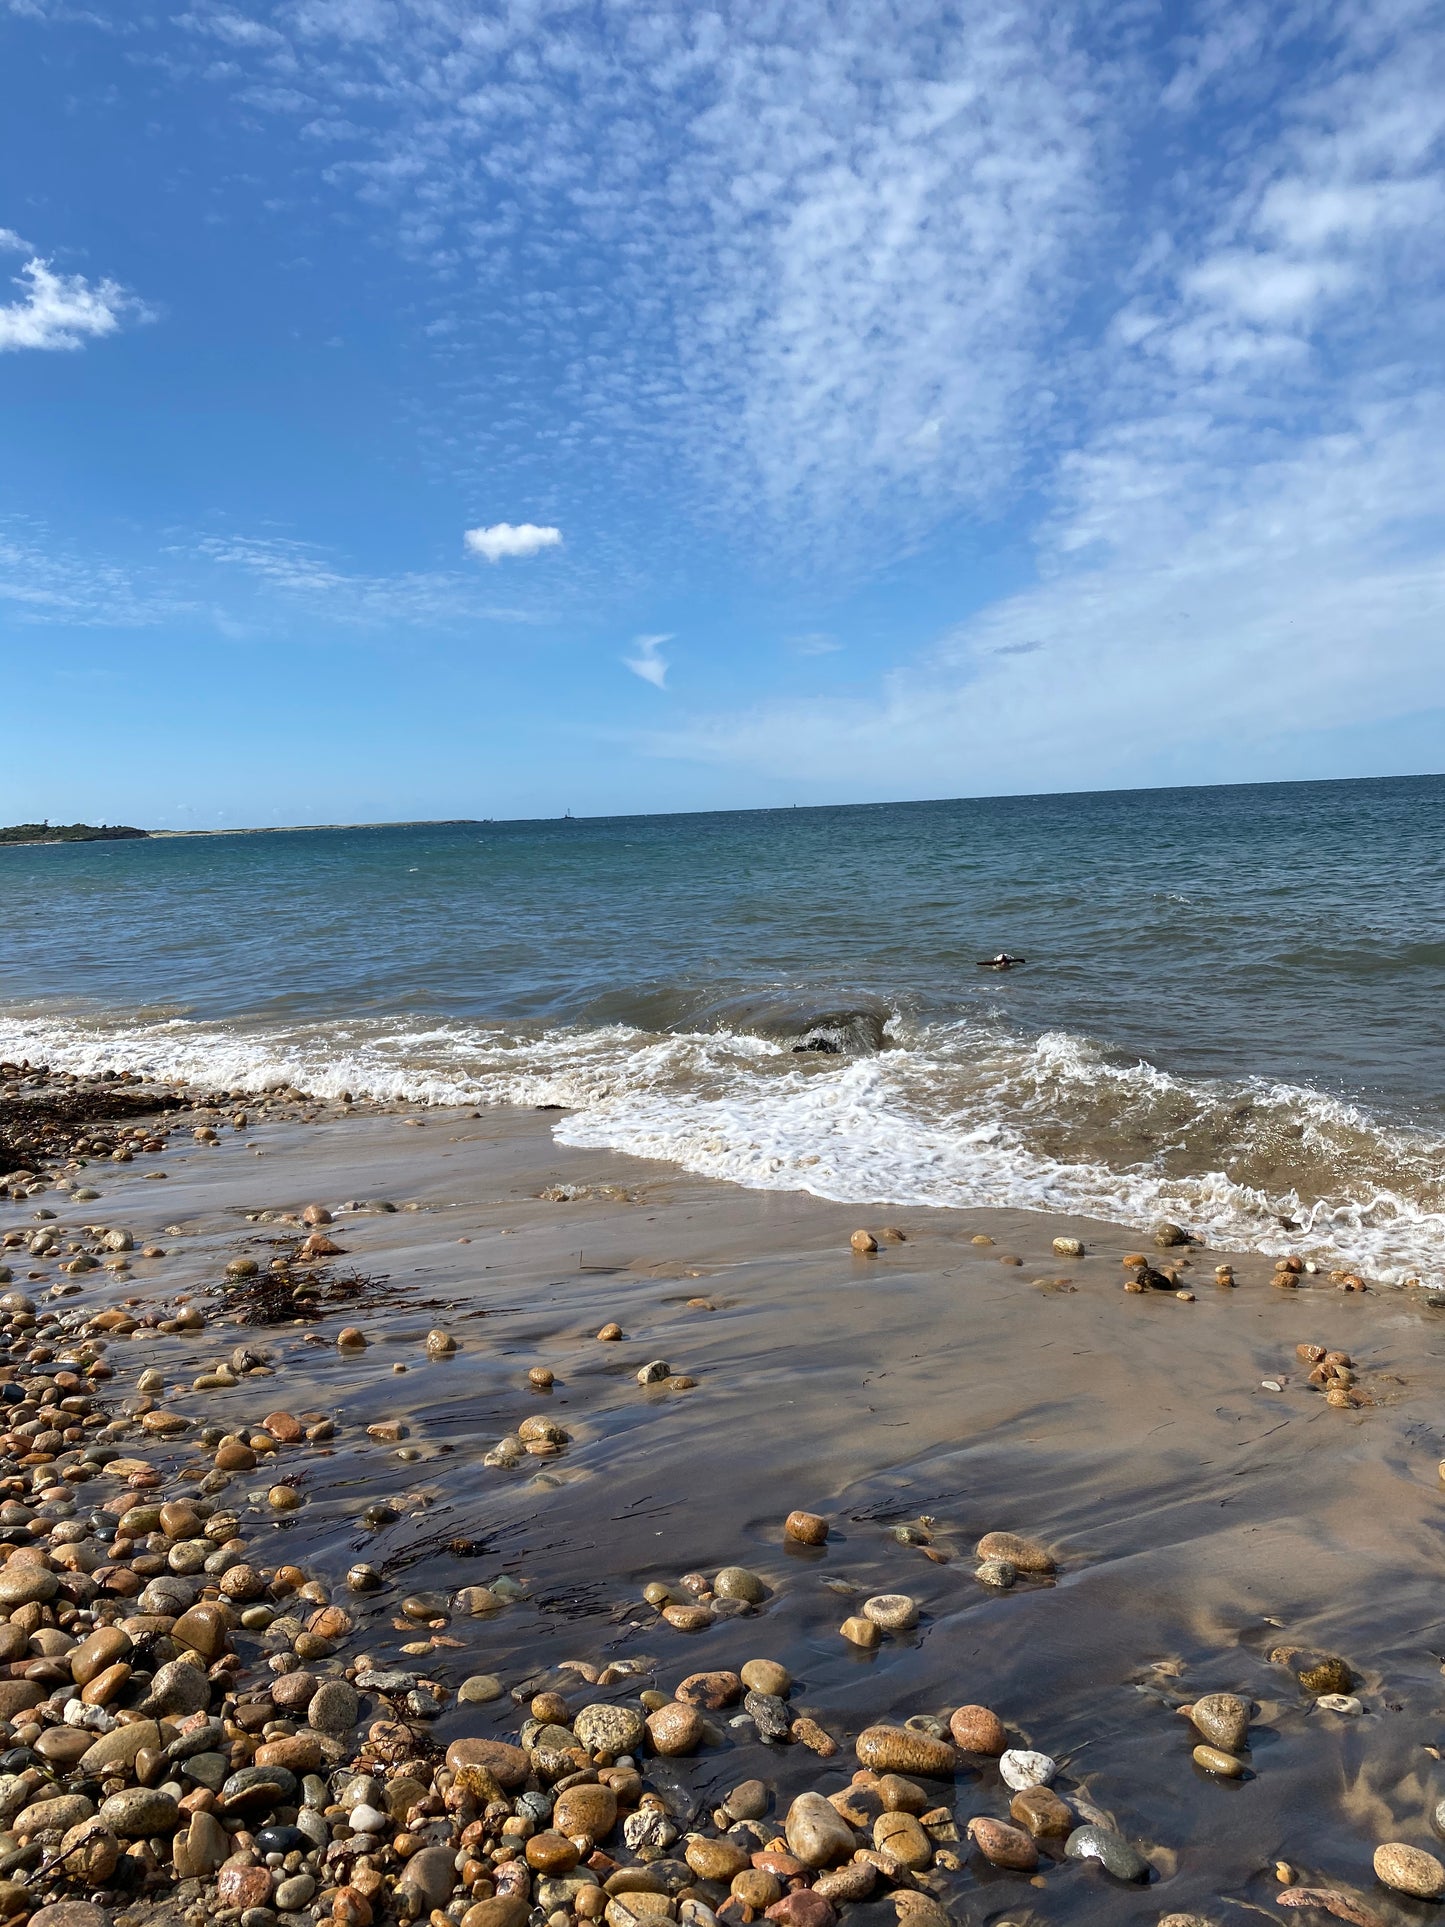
[(817, 642), (46, 579), (844, 279), (61, 310), (508, 539), (648, 663), (301, 572)]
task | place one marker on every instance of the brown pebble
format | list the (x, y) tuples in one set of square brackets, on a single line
[(808, 1528), (540, 1378), (977, 1730), (1002, 1845), (675, 1729), (863, 1242), (859, 1631), (1042, 1813), (610, 1333), (1025, 1554)]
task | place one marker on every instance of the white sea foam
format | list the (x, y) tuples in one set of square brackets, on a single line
[(959, 1115)]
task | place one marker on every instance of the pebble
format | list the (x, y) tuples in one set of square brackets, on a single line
[(860, 1632), (863, 1242), (817, 1834), (609, 1729), (1019, 1768), (1042, 1812), (1213, 1759), (675, 1729), (975, 1729), (1222, 1719), (479, 1690), (806, 1528), (736, 1582), (1410, 1870), (892, 1611), (140, 1812), (1002, 1845), (998, 1573), (897, 1749), (1110, 1849), (1026, 1555)]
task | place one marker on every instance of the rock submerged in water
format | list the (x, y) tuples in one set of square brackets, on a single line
[(1222, 1719), (1110, 1849), (1410, 1870), (1316, 1672), (898, 1749), (1003, 1845), (806, 1528), (1024, 1555), (975, 1729), (1019, 1768)]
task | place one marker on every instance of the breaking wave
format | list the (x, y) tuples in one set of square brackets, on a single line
[(855, 1102)]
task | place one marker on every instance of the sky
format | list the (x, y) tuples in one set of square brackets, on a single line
[(427, 408)]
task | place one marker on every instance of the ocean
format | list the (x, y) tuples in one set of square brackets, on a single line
[(1230, 1012)]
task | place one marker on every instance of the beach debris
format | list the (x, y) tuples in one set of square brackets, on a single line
[(1001, 960), (1342, 1905), (863, 1242)]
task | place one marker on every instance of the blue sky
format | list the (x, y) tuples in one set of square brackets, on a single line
[(426, 408)]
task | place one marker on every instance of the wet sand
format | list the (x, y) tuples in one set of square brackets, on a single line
[(1198, 1521)]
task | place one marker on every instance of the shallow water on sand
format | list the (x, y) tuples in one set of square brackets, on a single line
[(1199, 1519), (1229, 1013)]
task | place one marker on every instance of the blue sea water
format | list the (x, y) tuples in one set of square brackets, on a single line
[(1230, 1012)]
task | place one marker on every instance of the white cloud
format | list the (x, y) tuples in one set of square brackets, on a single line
[(507, 539), (647, 663), (62, 310), (11, 243)]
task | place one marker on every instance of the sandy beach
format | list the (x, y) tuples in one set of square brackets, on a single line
[(1202, 1503)]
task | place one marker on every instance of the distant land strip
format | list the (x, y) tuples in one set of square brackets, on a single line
[(18, 834), (68, 833)]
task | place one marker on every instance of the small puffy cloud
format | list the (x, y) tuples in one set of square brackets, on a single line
[(508, 539), (61, 310), (647, 663), (11, 243)]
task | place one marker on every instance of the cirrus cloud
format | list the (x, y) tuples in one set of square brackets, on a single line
[(505, 540)]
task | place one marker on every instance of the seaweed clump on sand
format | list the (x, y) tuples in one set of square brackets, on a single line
[(68, 1117), (289, 1295)]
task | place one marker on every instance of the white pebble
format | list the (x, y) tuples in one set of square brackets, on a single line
[(1021, 1769), (366, 1820), (1345, 1703)]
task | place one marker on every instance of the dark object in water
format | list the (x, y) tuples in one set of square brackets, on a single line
[(1003, 961), (828, 1046)]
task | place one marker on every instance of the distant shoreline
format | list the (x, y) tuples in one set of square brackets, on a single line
[(260, 829), (296, 829)]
